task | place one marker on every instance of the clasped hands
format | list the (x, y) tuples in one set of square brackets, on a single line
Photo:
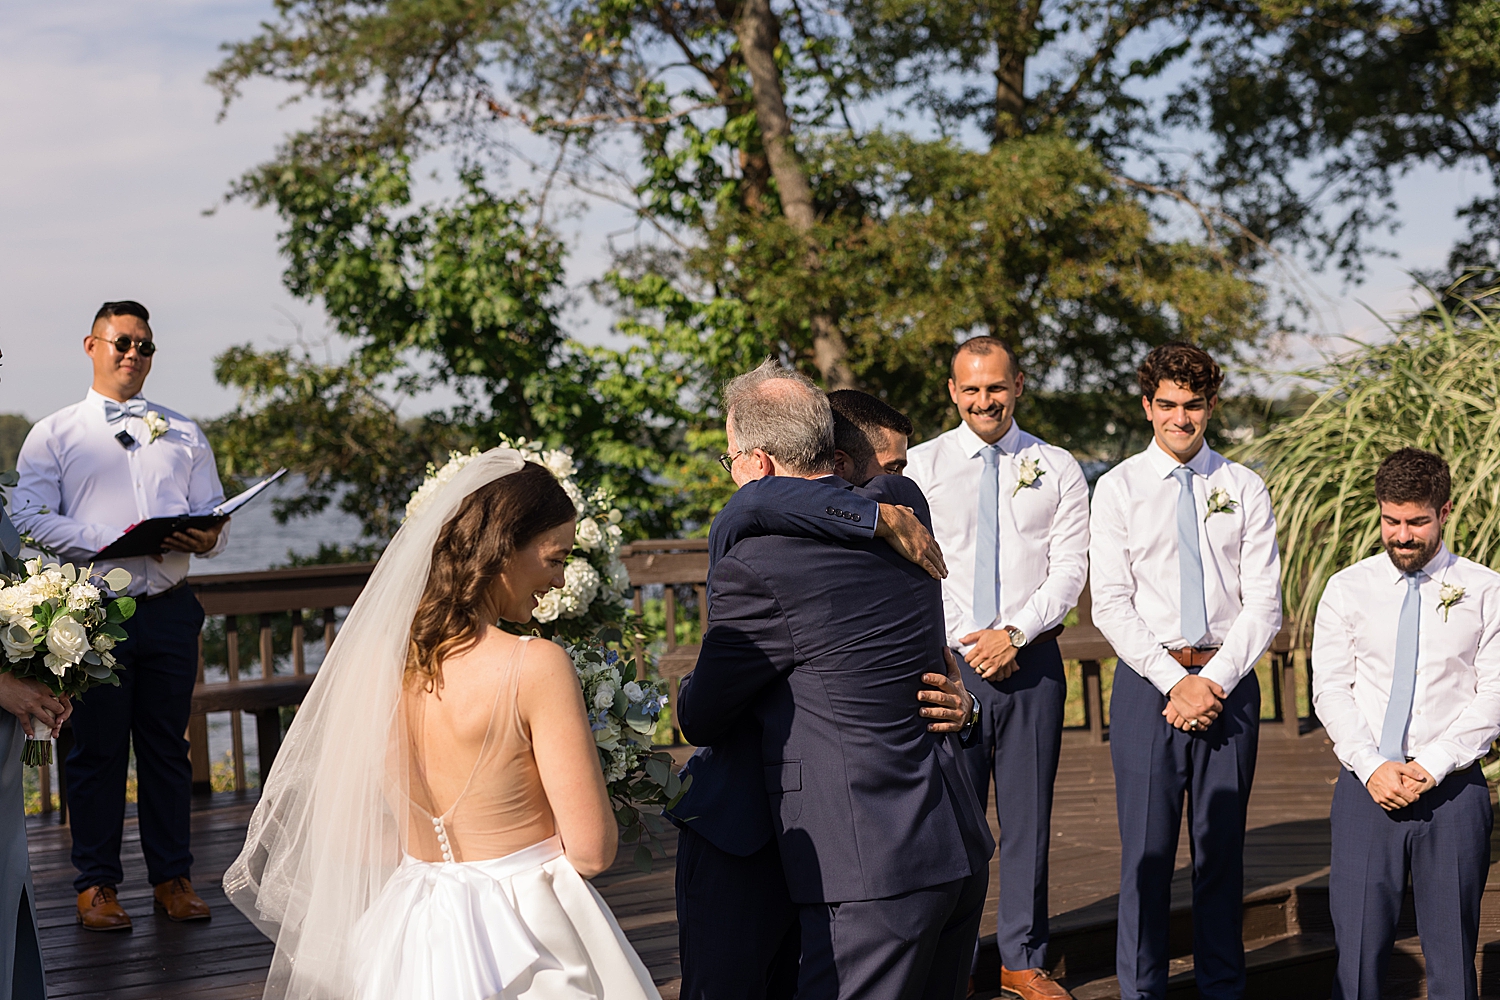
[(27, 699), (1194, 703), (1396, 784)]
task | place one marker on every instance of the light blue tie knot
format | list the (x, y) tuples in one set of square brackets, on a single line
[(987, 541), (115, 412), (1403, 673), (1194, 605)]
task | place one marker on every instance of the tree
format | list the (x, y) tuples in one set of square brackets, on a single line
[(1436, 385)]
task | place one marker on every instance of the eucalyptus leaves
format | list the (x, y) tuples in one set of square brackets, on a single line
[(58, 626)]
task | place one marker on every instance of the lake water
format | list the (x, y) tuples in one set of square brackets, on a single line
[(257, 542)]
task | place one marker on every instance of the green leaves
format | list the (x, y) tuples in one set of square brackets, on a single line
[(118, 610)]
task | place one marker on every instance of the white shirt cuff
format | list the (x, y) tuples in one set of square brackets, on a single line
[(1436, 763), (1366, 763), (1163, 672)]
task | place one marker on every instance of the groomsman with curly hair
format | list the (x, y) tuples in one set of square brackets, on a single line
[(1185, 578)]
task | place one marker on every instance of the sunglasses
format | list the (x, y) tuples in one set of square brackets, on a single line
[(123, 344)]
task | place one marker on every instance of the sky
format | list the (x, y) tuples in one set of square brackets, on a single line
[(112, 154)]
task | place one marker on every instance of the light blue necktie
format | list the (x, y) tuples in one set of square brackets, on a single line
[(1190, 561), (115, 412), (1403, 674), (986, 541)]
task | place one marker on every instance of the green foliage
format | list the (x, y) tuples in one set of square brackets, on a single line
[(13, 429), (1436, 385)]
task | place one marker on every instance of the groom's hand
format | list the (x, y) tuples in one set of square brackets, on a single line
[(903, 531), (949, 704), (993, 657)]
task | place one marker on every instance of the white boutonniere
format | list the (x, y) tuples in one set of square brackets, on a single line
[(156, 425), (1219, 502), (1030, 474), (1449, 595)]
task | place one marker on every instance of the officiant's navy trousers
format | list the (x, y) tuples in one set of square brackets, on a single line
[(1443, 841), (1155, 766), (150, 708), (1020, 737)]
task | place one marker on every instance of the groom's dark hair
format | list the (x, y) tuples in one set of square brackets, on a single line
[(492, 524)]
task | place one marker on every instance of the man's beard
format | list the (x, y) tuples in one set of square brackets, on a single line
[(1412, 556)]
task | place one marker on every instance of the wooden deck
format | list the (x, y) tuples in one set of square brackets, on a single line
[(1287, 845)]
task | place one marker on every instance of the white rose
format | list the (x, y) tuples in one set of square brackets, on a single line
[(589, 536), (605, 696), (67, 639), (633, 691), (548, 607), (56, 664), (82, 596), (103, 643), (17, 649), (560, 464)]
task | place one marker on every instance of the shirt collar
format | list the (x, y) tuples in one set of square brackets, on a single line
[(1440, 561), (972, 444), (1164, 464), (99, 399)]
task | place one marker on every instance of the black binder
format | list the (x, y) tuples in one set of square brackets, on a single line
[(145, 538)]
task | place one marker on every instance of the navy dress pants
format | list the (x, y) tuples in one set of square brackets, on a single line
[(150, 709), (736, 925), (1155, 766), (1020, 737), (916, 946), (1443, 842)]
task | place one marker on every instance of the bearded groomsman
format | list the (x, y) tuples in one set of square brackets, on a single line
[(87, 472), (1011, 513), (1184, 575), (1407, 650)]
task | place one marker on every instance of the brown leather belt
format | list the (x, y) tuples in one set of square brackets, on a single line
[(1193, 656)]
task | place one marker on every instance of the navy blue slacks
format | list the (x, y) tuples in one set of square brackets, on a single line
[(736, 924), (916, 946), (1443, 842), (1155, 766), (150, 709), (1020, 738)]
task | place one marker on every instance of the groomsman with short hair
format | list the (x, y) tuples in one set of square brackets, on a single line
[(1407, 682), (1011, 513), (1185, 578)]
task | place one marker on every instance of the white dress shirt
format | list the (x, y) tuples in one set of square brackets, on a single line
[(1043, 536), (1134, 577), (1456, 704), (80, 489)]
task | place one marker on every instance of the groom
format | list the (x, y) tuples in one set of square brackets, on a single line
[(823, 647)]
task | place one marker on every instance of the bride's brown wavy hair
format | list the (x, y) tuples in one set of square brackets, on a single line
[(492, 524)]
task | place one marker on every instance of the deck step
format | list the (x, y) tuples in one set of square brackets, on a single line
[(1290, 967)]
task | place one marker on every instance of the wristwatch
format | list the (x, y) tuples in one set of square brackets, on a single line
[(1017, 637), (971, 724)]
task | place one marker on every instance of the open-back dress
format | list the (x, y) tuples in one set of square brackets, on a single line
[(484, 903)]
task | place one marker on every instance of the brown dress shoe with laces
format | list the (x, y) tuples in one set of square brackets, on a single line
[(99, 909), (178, 901), (1031, 984)]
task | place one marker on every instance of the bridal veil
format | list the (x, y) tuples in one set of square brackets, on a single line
[(324, 839)]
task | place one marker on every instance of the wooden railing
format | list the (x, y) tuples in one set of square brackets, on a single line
[(668, 563)]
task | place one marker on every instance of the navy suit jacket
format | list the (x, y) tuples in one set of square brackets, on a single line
[(818, 648)]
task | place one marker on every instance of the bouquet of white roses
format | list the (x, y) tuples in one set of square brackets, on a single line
[(57, 626), (623, 711)]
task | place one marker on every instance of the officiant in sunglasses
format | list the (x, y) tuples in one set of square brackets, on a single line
[(88, 472)]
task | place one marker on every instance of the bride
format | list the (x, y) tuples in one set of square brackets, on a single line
[(438, 802)]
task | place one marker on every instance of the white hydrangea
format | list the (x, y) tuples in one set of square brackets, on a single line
[(580, 587), (82, 596)]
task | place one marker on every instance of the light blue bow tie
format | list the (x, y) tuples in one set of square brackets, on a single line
[(115, 412)]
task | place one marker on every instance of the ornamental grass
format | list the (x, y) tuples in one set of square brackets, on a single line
[(1435, 385)]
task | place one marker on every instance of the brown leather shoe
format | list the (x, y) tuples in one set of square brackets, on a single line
[(99, 909), (178, 901), (1031, 984)]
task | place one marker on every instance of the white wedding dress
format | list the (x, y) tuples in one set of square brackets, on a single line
[(371, 892), (484, 903)]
